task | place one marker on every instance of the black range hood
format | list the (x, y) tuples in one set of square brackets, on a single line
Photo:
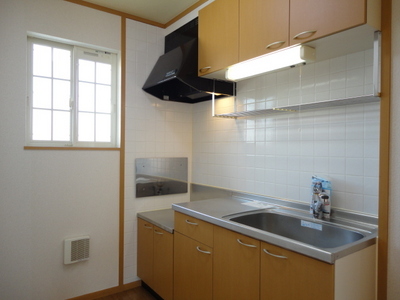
[(174, 77)]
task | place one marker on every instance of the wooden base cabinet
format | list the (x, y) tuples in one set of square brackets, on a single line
[(193, 258), (289, 275), (145, 251), (155, 258), (214, 263), (236, 268), (193, 269)]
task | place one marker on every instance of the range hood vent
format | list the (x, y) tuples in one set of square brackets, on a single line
[(174, 77)]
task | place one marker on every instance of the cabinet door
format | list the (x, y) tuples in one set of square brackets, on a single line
[(218, 35), (289, 275), (163, 263), (264, 27), (236, 268), (312, 19), (145, 251), (192, 269)]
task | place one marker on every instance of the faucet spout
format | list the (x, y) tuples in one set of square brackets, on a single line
[(317, 209)]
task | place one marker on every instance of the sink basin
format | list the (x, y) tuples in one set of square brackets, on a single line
[(316, 234)]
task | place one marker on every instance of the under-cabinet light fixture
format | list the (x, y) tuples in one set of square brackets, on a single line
[(270, 62)]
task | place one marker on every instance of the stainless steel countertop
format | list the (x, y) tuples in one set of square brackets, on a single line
[(214, 211), (163, 218)]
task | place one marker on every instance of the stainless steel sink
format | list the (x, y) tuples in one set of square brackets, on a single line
[(318, 234)]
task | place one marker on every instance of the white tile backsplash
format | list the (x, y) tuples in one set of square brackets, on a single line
[(276, 155)]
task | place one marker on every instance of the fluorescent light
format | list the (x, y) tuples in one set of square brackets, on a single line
[(270, 62)]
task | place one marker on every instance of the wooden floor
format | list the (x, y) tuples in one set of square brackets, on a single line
[(138, 293)]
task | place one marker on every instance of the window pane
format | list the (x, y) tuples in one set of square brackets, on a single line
[(103, 73), (103, 128), (61, 126), (86, 97), (86, 70), (41, 92), (61, 94), (103, 98), (86, 127), (41, 60), (41, 125), (61, 63)]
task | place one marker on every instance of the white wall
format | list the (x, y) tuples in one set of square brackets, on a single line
[(154, 128), (47, 196), (394, 203)]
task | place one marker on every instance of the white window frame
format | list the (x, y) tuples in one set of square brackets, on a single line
[(77, 52)]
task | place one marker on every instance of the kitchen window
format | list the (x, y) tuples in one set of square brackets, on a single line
[(72, 96)]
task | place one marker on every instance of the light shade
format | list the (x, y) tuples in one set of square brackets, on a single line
[(269, 62)]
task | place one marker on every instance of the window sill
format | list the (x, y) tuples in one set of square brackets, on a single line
[(71, 148)]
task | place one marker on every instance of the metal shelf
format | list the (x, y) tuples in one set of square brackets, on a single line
[(302, 107)]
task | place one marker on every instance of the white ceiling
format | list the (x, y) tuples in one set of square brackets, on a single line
[(160, 11)]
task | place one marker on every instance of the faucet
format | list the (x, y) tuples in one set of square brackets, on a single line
[(318, 200), (317, 208)]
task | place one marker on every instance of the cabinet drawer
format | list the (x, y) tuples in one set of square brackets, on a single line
[(194, 228)]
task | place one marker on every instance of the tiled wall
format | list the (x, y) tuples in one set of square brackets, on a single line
[(154, 128), (276, 155)]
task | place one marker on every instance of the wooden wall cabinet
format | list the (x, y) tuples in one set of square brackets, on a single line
[(231, 31), (313, 19), (264, 27), (155, 258), (236, 268), (193, 258), (218, 36)]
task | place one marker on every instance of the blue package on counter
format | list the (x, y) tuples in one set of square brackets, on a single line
[(320, 205)]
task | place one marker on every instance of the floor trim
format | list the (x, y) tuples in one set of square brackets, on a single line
[(108, 292)]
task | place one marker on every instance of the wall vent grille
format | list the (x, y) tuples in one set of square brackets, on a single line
[(76, 249)]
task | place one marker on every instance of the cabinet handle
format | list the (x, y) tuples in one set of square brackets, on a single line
[(147, 226), (279, 43), (310, 32), (202, 251), (191, 223), (274, 255), (202, 70), (158, 232), (247, 245)]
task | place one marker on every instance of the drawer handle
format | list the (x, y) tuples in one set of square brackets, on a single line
[(158, 232), (247, 245), (308, 32), (191, 223), (147, 226), (274, 255), (278, 44), (205, 69), (202, 251)]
